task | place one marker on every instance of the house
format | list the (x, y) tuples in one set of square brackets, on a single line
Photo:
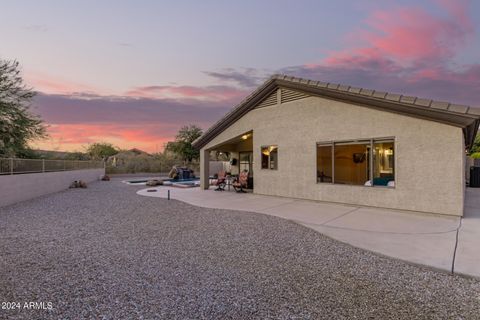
[(322, 141)]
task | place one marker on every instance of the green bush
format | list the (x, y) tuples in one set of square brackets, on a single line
[(475, 155)]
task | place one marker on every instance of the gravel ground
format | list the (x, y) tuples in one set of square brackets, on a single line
[(104, 252)]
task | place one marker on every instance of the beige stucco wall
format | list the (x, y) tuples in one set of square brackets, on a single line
[(21, 187), (429, 156)]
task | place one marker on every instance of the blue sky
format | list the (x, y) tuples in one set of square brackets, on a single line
[(92, 61)]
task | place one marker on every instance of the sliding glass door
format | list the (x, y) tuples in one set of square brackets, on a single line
[(246, 162)]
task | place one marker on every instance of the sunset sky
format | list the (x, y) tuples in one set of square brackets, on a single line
[(133, 72)]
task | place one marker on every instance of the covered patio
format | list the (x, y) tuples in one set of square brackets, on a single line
[(238, 151)]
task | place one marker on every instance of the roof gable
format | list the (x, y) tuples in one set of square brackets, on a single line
[(297, 88)]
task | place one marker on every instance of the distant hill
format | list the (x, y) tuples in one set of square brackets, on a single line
[(60, 155), (65, 155)]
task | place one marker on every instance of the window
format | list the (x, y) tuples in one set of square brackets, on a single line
[(270, 157), (383, 163), (359, 162), (351, 163)]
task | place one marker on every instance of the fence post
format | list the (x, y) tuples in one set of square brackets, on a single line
[(43, 165), (11, 165)]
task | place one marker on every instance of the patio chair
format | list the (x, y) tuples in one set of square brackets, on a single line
[(221, 181), (241, 182)]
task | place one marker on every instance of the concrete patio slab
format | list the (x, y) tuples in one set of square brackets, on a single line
[(220, 200), (468, 249), (398, 222), (309, 212), (434, 250), (414, 237)]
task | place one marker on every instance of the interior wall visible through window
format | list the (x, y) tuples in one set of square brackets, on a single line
[(351, 163), (383, 163), (269, 156)]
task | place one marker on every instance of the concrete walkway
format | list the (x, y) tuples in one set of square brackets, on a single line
[(419, 238), (467, 259)]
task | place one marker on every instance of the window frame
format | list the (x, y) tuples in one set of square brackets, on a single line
[(371, 142), (261, 155), (324, 144), (377, 140)]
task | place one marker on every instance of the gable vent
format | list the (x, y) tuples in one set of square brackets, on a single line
[(291, 95), (271, 100)]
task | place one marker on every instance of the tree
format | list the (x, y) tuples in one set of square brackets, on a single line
[(182, 145), (18, 125), (476, 145), (475, 149), (101, 150)]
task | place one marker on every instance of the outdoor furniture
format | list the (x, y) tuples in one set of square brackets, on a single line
[(241, 182), (229, 181), (221, 181)]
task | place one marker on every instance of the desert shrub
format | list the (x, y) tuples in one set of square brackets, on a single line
[(475, 155)]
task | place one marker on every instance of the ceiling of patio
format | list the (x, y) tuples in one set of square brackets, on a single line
[(245, 139)]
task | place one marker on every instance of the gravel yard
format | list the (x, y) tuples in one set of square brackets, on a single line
[(105, 252)]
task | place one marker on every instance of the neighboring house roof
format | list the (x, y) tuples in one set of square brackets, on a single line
[(457, 115), (132, 153)]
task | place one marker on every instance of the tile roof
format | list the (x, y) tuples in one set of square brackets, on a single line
[(454, 114), (382, 95)]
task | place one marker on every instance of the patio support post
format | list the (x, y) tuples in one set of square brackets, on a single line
[(204, 169)]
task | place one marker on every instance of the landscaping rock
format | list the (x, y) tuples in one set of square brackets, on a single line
[(154, 182), (78, 184), (151, 183), (107, 253)]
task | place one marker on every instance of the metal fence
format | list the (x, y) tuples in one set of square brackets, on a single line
[(21, 166)]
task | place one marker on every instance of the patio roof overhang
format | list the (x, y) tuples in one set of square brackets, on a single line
[(229, 144)]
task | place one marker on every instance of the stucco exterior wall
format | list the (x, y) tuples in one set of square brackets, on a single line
[(429, 156), (21, 187)]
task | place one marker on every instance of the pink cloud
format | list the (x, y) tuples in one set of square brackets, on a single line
[(47, 84), (145, 117), (75, 137), (407, 50), (146, 123), (409, 35)]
